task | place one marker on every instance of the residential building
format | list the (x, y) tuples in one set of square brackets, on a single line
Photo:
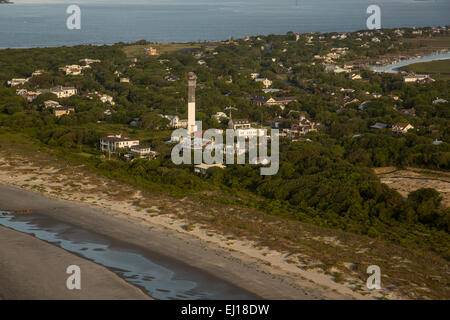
[(62, 92), (415, 78), (401, 128), (280, 101), (302, 127), (62, 111), (107, 99), (73, 70), (17, 82), (239, 124), (113, 143), (51, 104), (176, 122), (142, 151), (151, 51)]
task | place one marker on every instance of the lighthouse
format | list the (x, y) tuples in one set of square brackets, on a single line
[(192, 83)]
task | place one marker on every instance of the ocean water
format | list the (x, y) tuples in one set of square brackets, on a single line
[(44, 24)]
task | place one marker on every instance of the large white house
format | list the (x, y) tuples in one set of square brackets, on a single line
[(64, 92), (112, 143)]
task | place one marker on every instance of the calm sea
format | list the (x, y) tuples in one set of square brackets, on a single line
[(41, 25)]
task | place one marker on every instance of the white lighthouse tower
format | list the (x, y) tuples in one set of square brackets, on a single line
[(192, 83)]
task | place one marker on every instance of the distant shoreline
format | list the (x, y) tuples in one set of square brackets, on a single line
[(203, 42)]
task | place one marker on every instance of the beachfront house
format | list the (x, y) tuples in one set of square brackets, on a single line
[(113, 143), (142, 151)]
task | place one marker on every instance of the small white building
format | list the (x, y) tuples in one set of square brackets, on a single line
[(17, 82), (415, 78), (142, 151), (239, 124)]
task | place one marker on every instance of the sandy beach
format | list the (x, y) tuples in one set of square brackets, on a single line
[(230, 266), (39, 272), (117, 212)]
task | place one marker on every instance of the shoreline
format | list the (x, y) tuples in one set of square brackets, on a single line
[(22, 278), (229, 266), (136, 219)]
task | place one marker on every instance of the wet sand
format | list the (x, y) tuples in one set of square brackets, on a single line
[(33, 269), (226, 265)]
